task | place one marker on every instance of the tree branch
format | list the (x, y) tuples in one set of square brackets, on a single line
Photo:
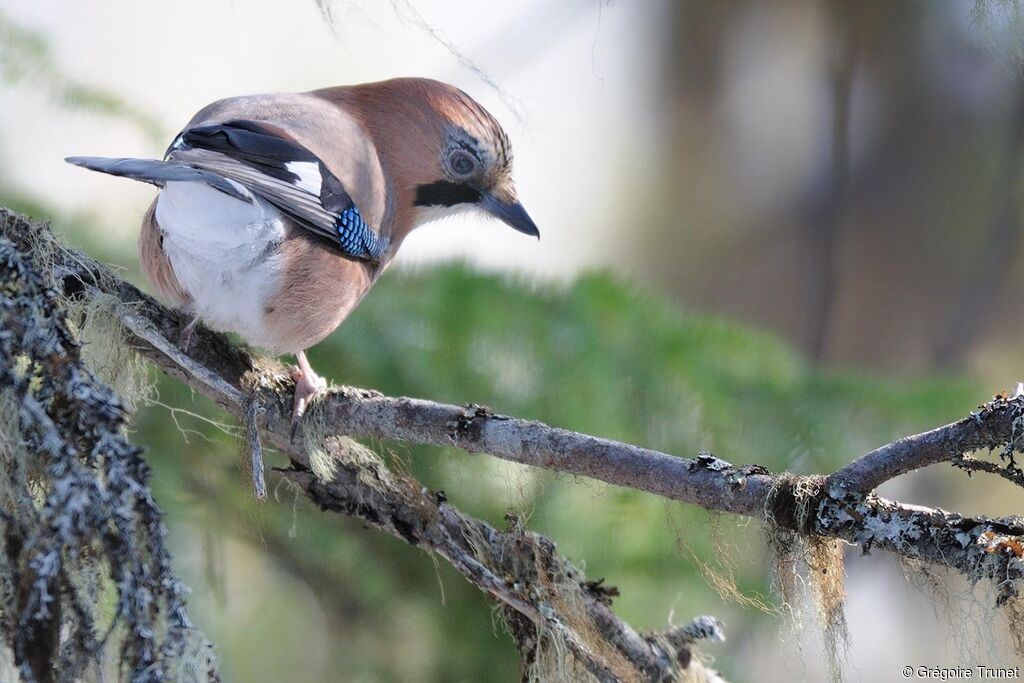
[(518, 568), (547, 602), (997, 424)]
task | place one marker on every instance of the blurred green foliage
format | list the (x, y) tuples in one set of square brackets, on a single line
[(598, 356), (289, 593)]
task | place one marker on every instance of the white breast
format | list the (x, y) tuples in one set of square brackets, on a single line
[(223, 252)]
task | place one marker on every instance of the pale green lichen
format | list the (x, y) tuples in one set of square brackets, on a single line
[(105, 350), (531, 567)]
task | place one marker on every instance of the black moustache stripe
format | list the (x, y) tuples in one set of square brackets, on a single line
[(444, 193)]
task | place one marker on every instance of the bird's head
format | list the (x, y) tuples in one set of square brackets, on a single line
[(472, 166), (447, 152)]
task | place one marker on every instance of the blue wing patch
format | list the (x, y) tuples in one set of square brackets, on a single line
[(357, 238)]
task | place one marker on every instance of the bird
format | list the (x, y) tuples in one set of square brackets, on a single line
[(277, 213)]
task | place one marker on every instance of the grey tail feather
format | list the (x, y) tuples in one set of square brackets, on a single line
[(160, 172)]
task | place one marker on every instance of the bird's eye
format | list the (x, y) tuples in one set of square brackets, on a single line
[(462, 163)]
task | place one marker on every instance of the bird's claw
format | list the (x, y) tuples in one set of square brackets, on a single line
[(185, 334), (307, 385)]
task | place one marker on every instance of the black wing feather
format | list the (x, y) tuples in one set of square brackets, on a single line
[(257, 157), (249, 142), (333, 196)]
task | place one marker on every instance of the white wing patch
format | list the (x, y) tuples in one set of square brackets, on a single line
[(309, 176)]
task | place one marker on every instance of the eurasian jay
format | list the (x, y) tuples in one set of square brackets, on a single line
[(277, 213)]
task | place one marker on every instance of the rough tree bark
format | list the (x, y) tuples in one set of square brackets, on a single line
[(558, 618), (76, 514)]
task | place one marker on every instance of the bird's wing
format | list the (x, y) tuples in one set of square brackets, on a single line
[(270, 163)]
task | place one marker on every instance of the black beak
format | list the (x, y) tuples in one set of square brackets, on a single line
[(511, 213)]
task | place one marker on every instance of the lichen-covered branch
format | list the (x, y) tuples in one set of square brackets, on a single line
[(550, 608), (978, 548), (76, 516), (561, 621)]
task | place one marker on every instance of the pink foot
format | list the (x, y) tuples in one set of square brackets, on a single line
[(185, 334), (307, 384)]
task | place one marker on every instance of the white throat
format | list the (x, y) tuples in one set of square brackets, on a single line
[(430, 214)]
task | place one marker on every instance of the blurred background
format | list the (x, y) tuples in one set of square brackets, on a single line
[(784, 232)]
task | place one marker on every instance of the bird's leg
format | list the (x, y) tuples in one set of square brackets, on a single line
[(307, 383), (185, 333)]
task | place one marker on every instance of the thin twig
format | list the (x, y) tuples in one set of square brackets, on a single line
[(993, 426)]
